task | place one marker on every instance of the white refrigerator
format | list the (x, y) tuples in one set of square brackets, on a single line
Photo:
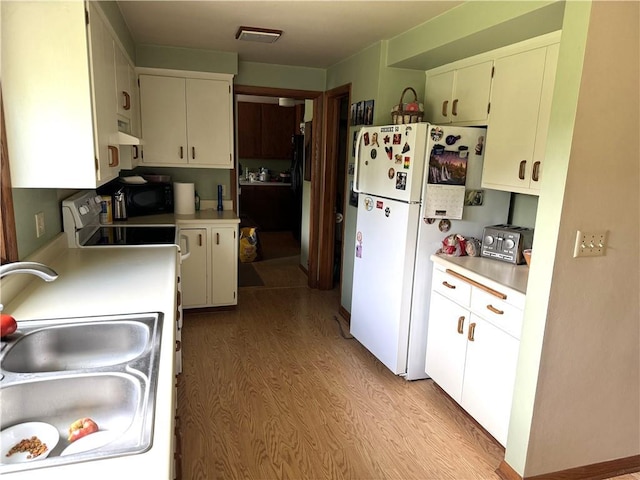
[(409, 178)]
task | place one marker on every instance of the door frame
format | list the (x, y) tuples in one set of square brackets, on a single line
[(317, 166), (327, 185)]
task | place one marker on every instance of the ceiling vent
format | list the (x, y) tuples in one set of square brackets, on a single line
[(262, 35)]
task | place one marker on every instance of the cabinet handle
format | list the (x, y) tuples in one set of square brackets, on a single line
[(460, 325), (136, 152), (495, 310), (193, 153), (217, 238), (472, 331), (535, 175), (181, 152), (199, 239), (523, 164), (454, 108), (178, 345), (179, 298), (127, 100), (114, 158), (493, 292), (448, 285), (445, 105)]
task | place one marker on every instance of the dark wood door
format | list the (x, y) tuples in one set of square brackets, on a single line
[(278, 126), (249, 130)]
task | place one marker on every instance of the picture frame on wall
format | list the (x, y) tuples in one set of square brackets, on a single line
[(359, 113), (354, 113), (368, 112)]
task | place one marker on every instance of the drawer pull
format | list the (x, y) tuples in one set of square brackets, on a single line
[(493, 292), (472, 331), (445, 106), (495, 310), (460, 325), (454, 110), (448, 285), (199, 239), (181, 152), (535, 175), (114, 159)]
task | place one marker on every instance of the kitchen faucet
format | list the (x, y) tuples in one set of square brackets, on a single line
[(34, 268)]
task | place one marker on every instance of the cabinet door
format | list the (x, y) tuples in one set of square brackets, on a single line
[(104, 93), (511, 136), (438, 92), (278, 126), (209, 134), (249, 130), (164, 120), (194, 268), (446, 344), (123, 84), (471, 91), (489, 377), (224, 263)]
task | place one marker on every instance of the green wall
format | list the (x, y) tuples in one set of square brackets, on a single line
[(191, 59), (113, 14), (280, 76)]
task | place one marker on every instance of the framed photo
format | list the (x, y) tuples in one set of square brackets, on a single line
[(368, 112), (354, 113), (359, 113)]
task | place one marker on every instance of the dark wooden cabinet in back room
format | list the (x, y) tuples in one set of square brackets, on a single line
[(268, 207), (265, 130)]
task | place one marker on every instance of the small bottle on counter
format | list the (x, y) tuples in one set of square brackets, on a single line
[(219, 198)]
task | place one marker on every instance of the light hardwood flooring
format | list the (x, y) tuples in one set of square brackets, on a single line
[(272, 390)]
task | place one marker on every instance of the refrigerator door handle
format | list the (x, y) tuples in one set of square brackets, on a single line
[(356, 187)]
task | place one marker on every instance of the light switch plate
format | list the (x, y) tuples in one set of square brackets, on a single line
[(590, 244), (39, 224)]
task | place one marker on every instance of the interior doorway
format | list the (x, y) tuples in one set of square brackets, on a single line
[(334, 187)]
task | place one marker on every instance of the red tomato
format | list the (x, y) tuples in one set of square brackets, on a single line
[(8, 324)]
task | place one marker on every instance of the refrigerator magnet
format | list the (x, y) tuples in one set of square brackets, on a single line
[(374, 154), (387, 212), (398, 158), (444, 225), (407, 163), (406, 147), (397, 138), (392, 173), (366, 139), (379, 204), (387, 139), (374, 139), (389, 151), (436, 134), (368, 203), (401, 181), (480, 145), (359, 245)]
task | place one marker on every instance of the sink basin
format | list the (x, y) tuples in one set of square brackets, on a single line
[(104, 368), (77, 346)]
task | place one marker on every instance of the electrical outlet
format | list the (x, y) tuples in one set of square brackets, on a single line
[(590, 244), (39, 224)]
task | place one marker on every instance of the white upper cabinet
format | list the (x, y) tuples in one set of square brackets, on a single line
[(187, 122), (458, 95), (58, 81), (518, 123)]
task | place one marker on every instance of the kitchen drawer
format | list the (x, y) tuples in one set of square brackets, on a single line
[(451, 287), (496, 311)]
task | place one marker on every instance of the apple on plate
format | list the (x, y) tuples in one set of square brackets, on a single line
[(81, 428), (412, 107), (8, 325)]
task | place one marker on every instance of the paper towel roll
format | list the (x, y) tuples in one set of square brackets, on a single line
[(184, 198)]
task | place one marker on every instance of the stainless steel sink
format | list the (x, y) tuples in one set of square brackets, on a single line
[(78, 346), (105, 368)]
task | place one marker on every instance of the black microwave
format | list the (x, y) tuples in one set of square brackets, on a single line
[(148, 199)]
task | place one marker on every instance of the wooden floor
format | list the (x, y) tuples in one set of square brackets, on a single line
[(272, 390)]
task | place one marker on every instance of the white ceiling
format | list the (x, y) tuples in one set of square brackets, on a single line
[(316, 33)]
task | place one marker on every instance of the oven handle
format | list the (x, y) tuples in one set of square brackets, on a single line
[(184, 256)]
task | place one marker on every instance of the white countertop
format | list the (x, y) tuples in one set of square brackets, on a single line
[(245, 183), (201, 216), (480, 268), (110, 281)]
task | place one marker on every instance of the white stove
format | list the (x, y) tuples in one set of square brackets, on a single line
[(81, 222)]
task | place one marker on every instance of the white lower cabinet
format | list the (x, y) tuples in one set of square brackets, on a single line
[(472, 347), (210, 272)]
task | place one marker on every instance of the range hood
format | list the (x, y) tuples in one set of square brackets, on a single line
[(127, 139)]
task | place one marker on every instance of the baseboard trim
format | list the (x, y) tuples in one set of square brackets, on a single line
[(345, 314), (304, 270), (596, 471)]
